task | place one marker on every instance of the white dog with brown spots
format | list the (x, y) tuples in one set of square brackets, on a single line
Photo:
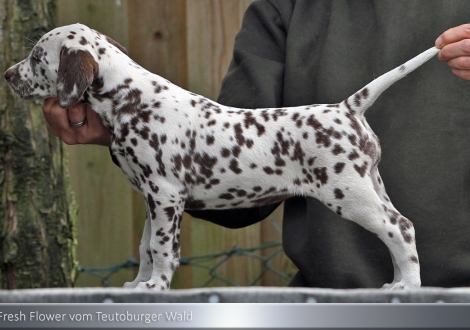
[(182, 150)]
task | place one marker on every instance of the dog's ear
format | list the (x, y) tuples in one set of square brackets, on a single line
[(117, 45), (112, 42), (77, 70)]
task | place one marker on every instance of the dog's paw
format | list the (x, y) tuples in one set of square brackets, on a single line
[(399, 286), (393, 286), (130, 285), (152, 285)]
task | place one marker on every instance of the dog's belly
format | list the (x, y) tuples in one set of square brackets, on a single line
[(245, 201), (247, 191)]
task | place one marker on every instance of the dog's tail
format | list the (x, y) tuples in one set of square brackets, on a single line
[(365, 97)]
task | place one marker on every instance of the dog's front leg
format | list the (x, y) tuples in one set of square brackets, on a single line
[(165, 216), (146, 259)]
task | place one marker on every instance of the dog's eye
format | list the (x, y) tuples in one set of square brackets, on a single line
[(36, 58)]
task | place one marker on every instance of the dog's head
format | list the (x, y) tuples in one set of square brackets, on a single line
[(63, 63)]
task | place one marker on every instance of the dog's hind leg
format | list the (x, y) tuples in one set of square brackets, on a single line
[(362, 204), (394, 215)]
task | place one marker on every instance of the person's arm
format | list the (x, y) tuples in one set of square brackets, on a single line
[(255, 76), (235, 218)]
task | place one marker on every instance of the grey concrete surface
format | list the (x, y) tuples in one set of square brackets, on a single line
[(236, 295)]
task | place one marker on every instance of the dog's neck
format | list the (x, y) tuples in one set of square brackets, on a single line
[(114, 98)]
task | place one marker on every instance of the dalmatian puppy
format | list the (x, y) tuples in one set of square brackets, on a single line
[(184, 151)]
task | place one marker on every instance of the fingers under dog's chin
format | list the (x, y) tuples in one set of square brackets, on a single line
[(70, 140)]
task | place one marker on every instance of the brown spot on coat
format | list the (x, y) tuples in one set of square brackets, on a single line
[(279, 162), (353, 155), (357, 100), (236, 150), (234, 166), (339, 167), (251, 120), (365, 93), (361, 169), (239, 134), (338, 150), (321, 174), (404, 225), (338, 193), (268, 170), (225, 152), (226, 196), (210, 140)]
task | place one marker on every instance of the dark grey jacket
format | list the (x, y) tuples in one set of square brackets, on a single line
[(291, 53)]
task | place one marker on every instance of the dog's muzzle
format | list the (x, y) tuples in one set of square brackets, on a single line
[(18, 85)]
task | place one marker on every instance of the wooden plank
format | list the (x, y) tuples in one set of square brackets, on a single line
[(157, 41), (212, 26), (103, 194), (106, 16), (105, 211), (158, 38)]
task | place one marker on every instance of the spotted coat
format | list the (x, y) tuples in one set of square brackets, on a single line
[(184, 151)]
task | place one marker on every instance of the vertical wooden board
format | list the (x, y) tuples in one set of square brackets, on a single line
[(105, 212), (211, 27), (157, 41), (103, 194), (106, 16)]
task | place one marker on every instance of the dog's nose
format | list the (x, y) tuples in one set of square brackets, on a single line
[(8, 74)]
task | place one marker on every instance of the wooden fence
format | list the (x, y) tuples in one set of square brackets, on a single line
[(189, 42)]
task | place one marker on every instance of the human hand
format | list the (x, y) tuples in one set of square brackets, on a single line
[(60, 120), (455, 50)]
